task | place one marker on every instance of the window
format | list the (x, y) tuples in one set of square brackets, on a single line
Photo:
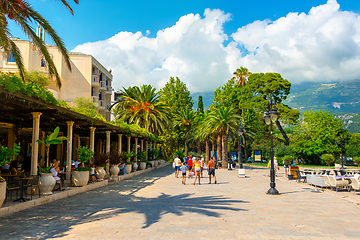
[(106, 82), (100, 96), (42, 63), (92, 91), (11, 58)]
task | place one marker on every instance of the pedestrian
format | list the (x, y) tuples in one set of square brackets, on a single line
[(92, 173), (190, 165), (183, 170), (177, 163), (286, 168), (211, 170), (276, 165), (202, 160), (197, 169)]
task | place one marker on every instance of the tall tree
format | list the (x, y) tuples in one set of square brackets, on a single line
[(200, 108), (142, 106), (222, 120), (24, 15), (185, 118)]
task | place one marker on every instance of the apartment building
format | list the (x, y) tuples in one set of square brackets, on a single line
[(88, 77)]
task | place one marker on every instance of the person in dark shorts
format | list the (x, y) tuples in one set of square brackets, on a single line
[(211, 170), (183, 170)]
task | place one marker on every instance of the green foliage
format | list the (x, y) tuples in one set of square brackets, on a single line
[(7, 154), (90, 113), (357, 161), (128, 163), (287, 158), (227, 95), (141, 155), (45, 170), (85, 103), (128, 155), (180, 153), (36, 78), (154, 152), (84, 154), (353, 147), (83, 169), (200, 108), (282, 150), (316, 134), (328, 158), (2, 179)]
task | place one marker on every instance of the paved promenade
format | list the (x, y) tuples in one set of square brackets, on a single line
[(155, 205)]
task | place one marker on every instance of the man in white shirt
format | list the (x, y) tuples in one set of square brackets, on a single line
[(177, 163)]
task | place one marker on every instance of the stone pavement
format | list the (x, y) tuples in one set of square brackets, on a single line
[(156, 205)]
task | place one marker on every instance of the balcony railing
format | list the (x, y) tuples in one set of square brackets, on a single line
[(101, 104), (95, 80), (95, 99), (108, 90), (102, 85)]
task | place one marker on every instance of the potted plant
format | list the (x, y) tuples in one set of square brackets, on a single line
[(47, 181), (80, 175), (142, 157), (128, 167), (6, 157), (100, 161), (115, 159), (51, 139)]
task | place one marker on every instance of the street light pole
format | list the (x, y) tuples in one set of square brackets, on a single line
[(229, 163), (240, 133), (270, 117), (341, 157)]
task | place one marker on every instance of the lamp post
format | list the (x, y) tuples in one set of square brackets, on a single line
[(229, 163), (271, 116), (240, 133), (341, 153)]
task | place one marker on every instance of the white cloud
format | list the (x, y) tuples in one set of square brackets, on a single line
[(322, 45)]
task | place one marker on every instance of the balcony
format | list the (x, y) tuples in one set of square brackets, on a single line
[(102, 104), (103, 85), (95, 99), (95, 80), (108, 90)]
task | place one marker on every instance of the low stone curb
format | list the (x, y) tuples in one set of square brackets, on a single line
[(69, 192)]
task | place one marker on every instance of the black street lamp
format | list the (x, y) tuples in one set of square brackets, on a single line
[(341, 154), (229, 163), (271, 116), (240, 133)]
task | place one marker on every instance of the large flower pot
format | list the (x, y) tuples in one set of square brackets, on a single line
[(114, 170), (159, 162), (80, 178), (142, 165), (128, 168), (100, 173), (155, 163), (46, 183), (152, 163), (2, 192), (135, 166)]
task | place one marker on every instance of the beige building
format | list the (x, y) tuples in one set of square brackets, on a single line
[(88, 77)]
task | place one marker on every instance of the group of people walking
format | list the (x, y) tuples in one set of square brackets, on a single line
[(193, 167)]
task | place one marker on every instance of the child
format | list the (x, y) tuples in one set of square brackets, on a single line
[(92, 173), (183, 170)]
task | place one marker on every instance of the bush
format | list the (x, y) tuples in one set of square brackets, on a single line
[(357, 161), (282, 150), (287, 159), (100, 160)]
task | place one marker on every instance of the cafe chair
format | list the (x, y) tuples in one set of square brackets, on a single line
[(12, 186), (336, 183), (355, 184)]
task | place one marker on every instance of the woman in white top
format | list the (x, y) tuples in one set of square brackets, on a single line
[(54, 171)]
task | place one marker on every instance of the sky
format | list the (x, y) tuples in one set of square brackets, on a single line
[(204, 42)]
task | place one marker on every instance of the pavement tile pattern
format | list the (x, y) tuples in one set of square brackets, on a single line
[(156, 205)]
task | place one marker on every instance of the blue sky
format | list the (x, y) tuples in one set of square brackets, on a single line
[(203, 42)]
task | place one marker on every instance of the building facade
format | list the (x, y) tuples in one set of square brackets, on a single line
[(88, 78)]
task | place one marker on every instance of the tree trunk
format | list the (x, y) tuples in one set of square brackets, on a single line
[(47, 156), (186, 149), (239, 146), (218, 147), (282, 132), (207, 150), (198, 146), (213, 147), (224, 151)]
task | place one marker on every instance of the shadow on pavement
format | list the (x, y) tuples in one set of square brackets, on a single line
[(54, 219)]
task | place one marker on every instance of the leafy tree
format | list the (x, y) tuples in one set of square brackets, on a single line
[(328, 158), (282, 150), (24, 15), (241, 76), (353, 147), (85, 103), (222, 120), (185, 118), (142, 106), (357, 161), (7, 154), (316, 134), (36, 78), (227, 95), (200, 108)]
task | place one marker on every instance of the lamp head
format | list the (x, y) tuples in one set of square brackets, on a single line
[(267, 119), (240, 131)]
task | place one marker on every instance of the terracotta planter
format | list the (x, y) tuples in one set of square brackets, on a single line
[(135, 167), (128, 168), (142, 165), (114, 170), (2, 192), (80, 178), (46, 183), (100, 173)]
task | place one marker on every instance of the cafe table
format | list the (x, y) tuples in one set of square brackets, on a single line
[(22, 179)]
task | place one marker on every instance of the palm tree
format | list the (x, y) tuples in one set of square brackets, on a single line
[(223, 120), (202, 133), (24, 15), (142, 106), (185, 118)]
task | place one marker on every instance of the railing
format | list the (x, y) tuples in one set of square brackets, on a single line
[(108, 90), (103, 85), (95, 80), (101, 104), (95, 99)]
